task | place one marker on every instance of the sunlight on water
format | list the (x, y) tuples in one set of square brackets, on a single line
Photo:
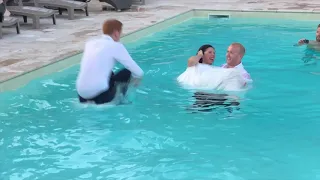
[(273, 134)]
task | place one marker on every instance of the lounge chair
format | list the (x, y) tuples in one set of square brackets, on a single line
[(10, 21), (33, 12), (119, 4), (65, 4)]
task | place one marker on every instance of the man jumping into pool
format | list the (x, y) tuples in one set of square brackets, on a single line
[(96, 81)]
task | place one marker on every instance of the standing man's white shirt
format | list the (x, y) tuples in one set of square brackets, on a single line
[(99, 58), (242, 70)]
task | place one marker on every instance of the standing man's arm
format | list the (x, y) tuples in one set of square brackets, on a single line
[(247, 78), (194, 60)]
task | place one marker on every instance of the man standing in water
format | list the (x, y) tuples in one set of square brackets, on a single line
[(234, 56), (96, 81)]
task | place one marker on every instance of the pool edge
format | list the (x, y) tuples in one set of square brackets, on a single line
[(279, 14), (66, 61)]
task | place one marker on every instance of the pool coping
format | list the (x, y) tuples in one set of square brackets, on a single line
[(65, 61)]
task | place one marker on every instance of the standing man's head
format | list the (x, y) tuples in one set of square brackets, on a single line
[(235, 54), (113, 28), (318, 34)]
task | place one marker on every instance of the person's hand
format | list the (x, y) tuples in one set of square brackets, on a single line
[(301, 42), (200, 53)]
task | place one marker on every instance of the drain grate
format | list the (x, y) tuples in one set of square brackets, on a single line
[(218, 16)]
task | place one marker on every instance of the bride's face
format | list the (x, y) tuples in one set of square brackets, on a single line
[(209, 55)]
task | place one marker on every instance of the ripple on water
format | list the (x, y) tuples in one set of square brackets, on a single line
[(46, 134)]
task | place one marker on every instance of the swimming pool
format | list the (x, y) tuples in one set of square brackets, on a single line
[(46, 134)]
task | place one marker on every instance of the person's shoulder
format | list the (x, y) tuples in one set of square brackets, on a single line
[(92, 39), (118, 44), (100, 45), (314, 42)]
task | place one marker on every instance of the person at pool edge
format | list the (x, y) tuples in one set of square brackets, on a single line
[(96, 82), (313, 47), (312, 43)]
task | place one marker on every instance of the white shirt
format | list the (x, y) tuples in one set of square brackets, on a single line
[(98, 60), (243, 71)]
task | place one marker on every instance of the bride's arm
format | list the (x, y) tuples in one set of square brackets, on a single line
[(194, 60)]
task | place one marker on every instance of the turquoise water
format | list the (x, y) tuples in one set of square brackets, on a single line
[(45, 134)]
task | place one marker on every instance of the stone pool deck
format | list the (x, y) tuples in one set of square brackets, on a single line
[(36, 48)]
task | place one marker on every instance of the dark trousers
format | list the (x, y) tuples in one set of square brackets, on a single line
[(120, 79), (208, 101)]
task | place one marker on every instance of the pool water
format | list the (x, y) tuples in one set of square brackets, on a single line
[(46, 134)]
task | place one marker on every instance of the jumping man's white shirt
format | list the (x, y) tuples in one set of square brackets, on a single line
[(99, 58)]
